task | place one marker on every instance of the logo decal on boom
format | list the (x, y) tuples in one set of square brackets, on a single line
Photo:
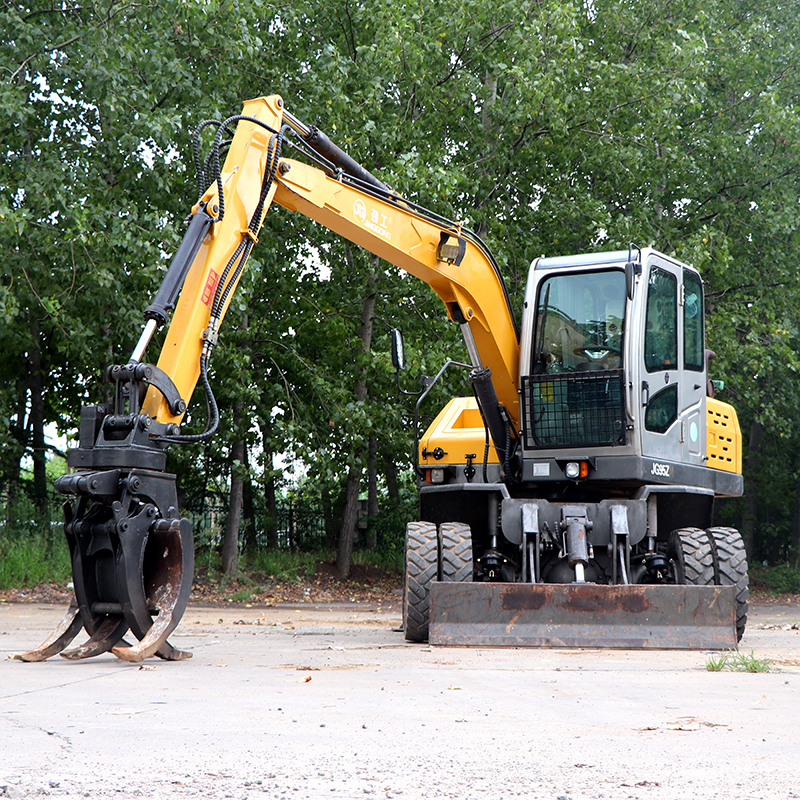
[(375, 221)]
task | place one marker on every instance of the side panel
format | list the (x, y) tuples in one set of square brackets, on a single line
[(724, 437)]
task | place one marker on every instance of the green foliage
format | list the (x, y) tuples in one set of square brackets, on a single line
[(780, 579), (30, 560), (558, 127), (282, 565), (385, 558), (733, 661)]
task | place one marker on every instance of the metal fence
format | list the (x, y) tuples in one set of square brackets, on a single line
[(296, 528)]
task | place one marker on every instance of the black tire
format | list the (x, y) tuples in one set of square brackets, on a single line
[(421, 567), (455, 555), (690, 553), (731, 563)]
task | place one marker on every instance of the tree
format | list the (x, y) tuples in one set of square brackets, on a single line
[(554, 127)]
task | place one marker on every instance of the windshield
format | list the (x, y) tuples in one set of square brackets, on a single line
[(579, 322)]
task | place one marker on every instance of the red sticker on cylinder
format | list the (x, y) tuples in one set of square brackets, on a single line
[(210, 287)]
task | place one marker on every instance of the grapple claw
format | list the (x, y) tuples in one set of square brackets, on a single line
[(108, 633), (169, 568), (66, 631), (132, 565)]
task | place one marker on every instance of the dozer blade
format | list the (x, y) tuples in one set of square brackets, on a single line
[(65, 632), (583, 615)]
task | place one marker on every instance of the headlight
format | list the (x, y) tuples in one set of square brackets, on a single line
[(576, 469), (437, 475)]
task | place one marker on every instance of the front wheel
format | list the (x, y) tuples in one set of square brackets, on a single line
[(715, 557), (689, 551), (421, 567), (732, 570), (456, 552)]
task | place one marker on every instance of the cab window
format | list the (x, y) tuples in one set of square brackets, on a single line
[(692, 322), (579, 322), (662, 410), (661, 322)]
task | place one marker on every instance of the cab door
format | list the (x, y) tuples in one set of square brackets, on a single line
[(692, 414), (672, 422)]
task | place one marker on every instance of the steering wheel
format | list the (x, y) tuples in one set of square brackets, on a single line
[(598, 354)]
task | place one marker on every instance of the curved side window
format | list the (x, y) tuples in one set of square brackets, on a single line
[(661, 322), (692, 322), (662, 410)]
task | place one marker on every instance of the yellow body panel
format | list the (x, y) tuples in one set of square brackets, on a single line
[(459, 431), (723, 437)]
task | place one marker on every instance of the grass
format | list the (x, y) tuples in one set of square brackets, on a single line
[(387, 560), (733, 661), (31, 560)]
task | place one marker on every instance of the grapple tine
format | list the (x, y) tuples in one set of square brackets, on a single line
[(64, 633), (154, 642), (108, 633), (168, 570)]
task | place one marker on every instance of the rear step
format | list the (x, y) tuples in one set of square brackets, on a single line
[(583, 615)]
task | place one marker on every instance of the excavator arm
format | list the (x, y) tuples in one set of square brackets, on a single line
[(132, 553), (454, 262)]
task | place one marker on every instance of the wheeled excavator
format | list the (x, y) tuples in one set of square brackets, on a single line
[(567, 501)]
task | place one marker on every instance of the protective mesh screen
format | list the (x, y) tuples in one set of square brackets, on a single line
[(574, 409)]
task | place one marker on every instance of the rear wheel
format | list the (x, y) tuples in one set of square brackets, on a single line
[(421, 567), (732, 569), (456, 552)]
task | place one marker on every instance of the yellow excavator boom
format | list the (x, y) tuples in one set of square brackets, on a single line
[(467, 280)]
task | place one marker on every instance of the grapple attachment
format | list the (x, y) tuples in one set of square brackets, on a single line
[(583, 615), (132, 566)]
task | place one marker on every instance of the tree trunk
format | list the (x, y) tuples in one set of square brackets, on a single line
[(752, 469), (372, 493), (38, 455), (344, 550), (230, 544)]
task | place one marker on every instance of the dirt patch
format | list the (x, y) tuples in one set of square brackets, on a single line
[(365, 584)]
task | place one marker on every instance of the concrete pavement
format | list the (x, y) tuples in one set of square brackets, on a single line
[(315, 701)]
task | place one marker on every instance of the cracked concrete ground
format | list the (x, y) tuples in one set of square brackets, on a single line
[(315, 701)]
